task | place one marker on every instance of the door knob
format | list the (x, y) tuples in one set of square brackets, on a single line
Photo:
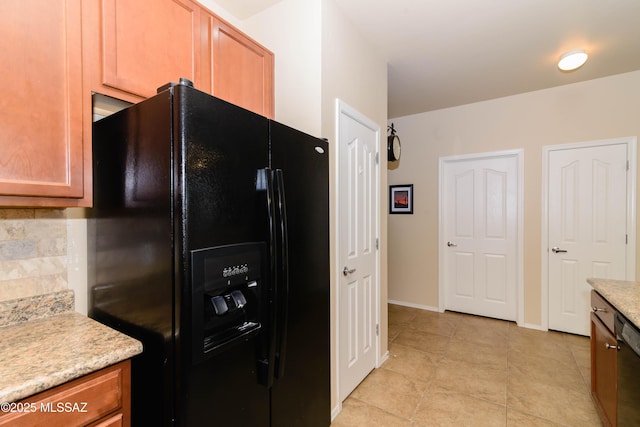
[(346, 271), (451, 244), (557, 250)]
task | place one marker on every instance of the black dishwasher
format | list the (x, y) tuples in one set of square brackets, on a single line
[(628, 372)]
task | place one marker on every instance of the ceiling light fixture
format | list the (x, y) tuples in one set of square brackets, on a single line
[(572, 60)]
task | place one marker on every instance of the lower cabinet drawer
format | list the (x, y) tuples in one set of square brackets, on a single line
[(603, 310), (76, 403), (115, 421)]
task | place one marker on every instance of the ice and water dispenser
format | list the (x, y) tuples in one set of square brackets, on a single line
[(227, 296)]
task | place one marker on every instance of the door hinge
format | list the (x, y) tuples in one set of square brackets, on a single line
[(377, 243), (377, 329)]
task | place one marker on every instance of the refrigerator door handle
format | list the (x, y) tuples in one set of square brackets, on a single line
[(268, 342), (283, 267)]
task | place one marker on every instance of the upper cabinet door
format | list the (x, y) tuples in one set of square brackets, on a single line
[(148, 43), (239, 69), (41, 103)]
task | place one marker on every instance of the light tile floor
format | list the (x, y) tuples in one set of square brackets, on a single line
[(451, 369)]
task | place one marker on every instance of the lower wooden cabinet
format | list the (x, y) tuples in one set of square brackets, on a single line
[(100, 399), (604, 360)]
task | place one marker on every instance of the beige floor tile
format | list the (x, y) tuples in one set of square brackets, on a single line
[(533, 368), (423, 341), (541, 343), (356, 413), (582, 358), (559, 404), (586, 375), (518, 419), (473, 379), (441, 407), (394, 330), (484, 354), (436, 323), (411, 362), (391, 392), (399, 314), (452, 369), (580, 348), (483, 331), (577, 341)]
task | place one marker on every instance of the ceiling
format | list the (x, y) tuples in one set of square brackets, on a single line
[(444, 53), (243, 9)]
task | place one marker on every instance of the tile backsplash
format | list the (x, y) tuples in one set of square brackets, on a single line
[(33, 252)]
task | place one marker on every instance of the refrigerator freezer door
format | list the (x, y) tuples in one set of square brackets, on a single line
[(222, 148), (130, 247), (301, 397)]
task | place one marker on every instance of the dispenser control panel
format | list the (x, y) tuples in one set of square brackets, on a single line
[(228, 295)]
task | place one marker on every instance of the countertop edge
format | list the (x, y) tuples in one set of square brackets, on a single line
[(624, 295)]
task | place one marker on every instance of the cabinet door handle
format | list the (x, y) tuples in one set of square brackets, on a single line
[(557, 250), (611, 347), (596, 309)]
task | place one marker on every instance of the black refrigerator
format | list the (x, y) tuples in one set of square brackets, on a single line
[(209, 242)]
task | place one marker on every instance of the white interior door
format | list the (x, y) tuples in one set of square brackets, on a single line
[(358, 209), (480, 232), (587, 226)]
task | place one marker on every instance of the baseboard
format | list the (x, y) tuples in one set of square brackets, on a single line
[(383, 359), (429, 308), (412, 305), (532, 326), (335, 411)]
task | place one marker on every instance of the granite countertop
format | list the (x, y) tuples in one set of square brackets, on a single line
[(623, 295), (44, 343)]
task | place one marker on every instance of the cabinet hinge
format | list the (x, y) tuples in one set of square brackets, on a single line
[(626, 239), (377, 158), (627, 164), (377, 329), (377, 243)]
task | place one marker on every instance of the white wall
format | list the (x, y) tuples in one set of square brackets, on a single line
[(354, 72), (223, 13), (597, 109), (291, 29)]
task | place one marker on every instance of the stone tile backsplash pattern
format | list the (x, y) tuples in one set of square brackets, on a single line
[(33, 252)]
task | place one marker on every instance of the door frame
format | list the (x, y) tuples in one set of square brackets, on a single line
[(443, 161), (344, 110), (630, 142)]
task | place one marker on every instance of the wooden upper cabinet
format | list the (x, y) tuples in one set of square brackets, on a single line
[(235, 67), (145, 44), (41, 135), (56, 53), (148, 43)]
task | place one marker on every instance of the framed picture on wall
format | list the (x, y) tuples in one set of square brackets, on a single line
[(401, 199)]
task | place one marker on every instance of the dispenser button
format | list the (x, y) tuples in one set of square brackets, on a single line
[(219, 305), (238, 298)]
